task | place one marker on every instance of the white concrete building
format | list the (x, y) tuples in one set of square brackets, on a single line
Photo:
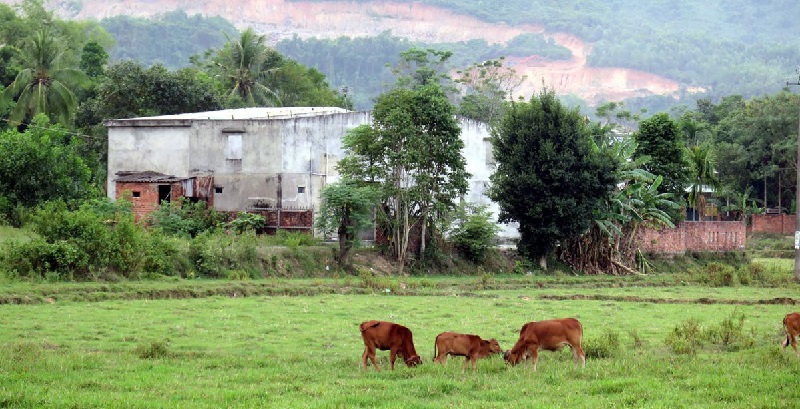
[(272, 159)]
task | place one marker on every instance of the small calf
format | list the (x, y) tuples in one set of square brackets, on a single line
[(385, 335), (471, 347)]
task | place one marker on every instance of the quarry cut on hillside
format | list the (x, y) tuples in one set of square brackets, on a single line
[(280, 19)]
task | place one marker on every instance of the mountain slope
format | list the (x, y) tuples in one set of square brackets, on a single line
[(281, 19)]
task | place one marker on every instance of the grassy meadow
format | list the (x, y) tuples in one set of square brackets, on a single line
[(304, 351)]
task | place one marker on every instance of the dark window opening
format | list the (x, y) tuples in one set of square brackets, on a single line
[(217, 189), (301, 189), (164, 193), (137, 194)]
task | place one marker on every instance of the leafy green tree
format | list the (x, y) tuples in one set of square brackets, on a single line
[(412, 151), (93, 59), (45, 84), (487, 88), (346, 209), (42, 164), (418, 67), (548, 177), (244, 65), (660, 141), (129, 90)]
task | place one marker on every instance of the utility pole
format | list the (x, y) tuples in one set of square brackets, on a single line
[(797, 200)]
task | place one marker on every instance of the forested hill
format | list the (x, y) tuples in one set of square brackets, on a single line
[(652, 50)]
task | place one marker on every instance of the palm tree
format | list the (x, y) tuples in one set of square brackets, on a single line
[(703, 175), (43, 86), (244, 68)]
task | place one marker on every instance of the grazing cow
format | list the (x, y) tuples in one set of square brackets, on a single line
[(388, 335), (791, 324), (471, 347), (550, 335)]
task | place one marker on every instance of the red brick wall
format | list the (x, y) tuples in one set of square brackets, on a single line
[(773, 223), (695, 236), (147, 201), (295, 220)]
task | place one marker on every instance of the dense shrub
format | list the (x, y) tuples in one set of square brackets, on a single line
[(215, 254), (245, 222), (473, 233), (185, 218), (607, 345), (685, 338), (715, 274), (729, 335)]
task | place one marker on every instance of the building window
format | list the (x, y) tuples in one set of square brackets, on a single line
[(217, 189), (301, 189), (487, 144), (234, 148), (137, 194)]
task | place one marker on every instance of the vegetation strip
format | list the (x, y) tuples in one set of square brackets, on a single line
[(703, 300)]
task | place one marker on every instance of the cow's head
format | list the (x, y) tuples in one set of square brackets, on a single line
[(494, 346), (512, 357), (413, 361)]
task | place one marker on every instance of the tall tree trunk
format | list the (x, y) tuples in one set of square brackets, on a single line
[(423, 230)]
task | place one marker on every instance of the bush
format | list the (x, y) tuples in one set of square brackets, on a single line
[(214, 254), (474, 232), (97, 238), (730, 334), (685, 338), (185, 218), (715, 274), (152, 350), (246, 222), (608, 345)]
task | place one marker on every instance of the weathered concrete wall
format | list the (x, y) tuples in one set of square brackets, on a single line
[(161, 149), (773, 223), (275, 162), (695, 236), (480, 164)]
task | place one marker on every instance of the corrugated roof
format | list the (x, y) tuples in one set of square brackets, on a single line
[(146, 177)]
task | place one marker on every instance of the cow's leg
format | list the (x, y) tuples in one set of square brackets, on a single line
[(392, 357), (794, 344), (474, 360), (534, 356), (579, 356), (441, 358), (369, 353)]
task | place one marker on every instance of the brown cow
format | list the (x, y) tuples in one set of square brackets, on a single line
[(471, 347), (791, 324), (385, 335), (550, 335)]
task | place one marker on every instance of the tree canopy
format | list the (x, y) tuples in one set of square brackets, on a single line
[(548, 178)]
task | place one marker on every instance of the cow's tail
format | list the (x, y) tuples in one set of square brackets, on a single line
[(435, 343)]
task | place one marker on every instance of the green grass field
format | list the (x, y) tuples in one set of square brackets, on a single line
[(305, 351)]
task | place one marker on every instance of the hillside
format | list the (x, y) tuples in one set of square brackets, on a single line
[(282, 19)]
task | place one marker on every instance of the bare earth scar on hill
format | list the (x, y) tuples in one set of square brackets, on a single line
[(331, 19)]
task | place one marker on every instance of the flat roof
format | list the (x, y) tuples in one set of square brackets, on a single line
[(241, 113)]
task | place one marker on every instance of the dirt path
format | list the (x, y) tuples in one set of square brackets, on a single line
[(282, 19)]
